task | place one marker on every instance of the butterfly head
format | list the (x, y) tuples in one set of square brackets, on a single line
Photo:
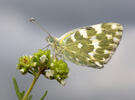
[(53, 41)]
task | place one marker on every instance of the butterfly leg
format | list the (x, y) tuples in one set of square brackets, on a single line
[(63, 58)]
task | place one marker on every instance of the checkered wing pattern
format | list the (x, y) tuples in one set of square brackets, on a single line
[(91, 45)]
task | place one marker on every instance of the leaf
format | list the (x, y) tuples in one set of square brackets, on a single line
[(30, 97), (22, 94), (42, 98), (18, 93)]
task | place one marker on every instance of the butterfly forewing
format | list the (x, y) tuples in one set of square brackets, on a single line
[(91, 45)]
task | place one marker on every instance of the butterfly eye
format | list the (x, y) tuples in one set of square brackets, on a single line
[(50, 39)]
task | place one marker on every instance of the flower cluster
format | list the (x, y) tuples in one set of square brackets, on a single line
[(57, 70), (45, 63), (26, 64)]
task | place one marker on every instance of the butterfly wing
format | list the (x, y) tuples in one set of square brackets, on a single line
[(91, 45)]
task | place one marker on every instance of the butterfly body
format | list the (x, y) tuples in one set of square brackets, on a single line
[(91, 46)]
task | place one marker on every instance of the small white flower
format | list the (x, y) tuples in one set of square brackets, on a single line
[(52, 64), (63, 82), (43, 58), (49, 73), (34, 64), (22, 70)]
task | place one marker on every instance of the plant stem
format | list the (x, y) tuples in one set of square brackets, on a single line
[(31, 86)]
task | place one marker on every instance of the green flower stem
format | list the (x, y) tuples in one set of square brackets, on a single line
[(31, 86)]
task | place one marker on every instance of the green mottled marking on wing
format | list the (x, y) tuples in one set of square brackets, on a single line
[(92, 45), (78, 56)]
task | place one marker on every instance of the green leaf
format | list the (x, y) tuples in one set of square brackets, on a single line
[(43, 97), (22, 94), (30, 97), (18, 93)]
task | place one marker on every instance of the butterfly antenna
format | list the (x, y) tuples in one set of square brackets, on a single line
[(33, 20)]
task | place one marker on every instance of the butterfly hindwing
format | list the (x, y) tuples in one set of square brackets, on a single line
[(91, 45)]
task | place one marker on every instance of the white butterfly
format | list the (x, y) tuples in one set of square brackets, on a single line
[(91, 46)]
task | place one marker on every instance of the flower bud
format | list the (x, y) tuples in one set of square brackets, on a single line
[(62, 82), (49, 73), (23, 70), (43, 58)]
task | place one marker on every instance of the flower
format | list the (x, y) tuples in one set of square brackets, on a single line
[(62, 82), (49, 73), (25, 63), (45, 63), (60, 70), (43, 58)]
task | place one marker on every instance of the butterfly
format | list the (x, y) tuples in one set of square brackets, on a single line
[(91, 46)]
